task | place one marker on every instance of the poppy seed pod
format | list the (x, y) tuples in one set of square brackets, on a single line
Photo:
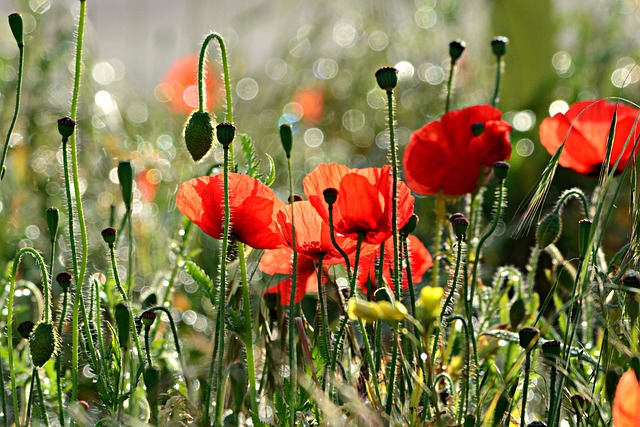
[(225, 132), (148, 317), (501, 170), (499, 45), (411, 225), (387, 78), (64, 279), (460, 223), (198, 134), (109, 235), (66, 126), (456, 49), (477, 129), (551, 350), (330, 196), (528, 338), (44, 343), (15, 22)]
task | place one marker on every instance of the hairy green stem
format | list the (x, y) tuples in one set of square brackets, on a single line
[(293, 364), (449, 85), (525, 385), (43, 408), (324, 327), (63, 314)]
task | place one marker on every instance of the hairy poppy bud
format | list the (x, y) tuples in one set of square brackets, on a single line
[(53, 217), (123, 322), (499, 45), (198, 134), (528, 338), (330, 195), (584, 231), (15, 22), (66, 126), (387, 78), (25, 328), (516, 313), (549, 230), (109, 235), (456, 49), (64, 279), (225, 133), (286, 137), (125, 176), (44, 343)]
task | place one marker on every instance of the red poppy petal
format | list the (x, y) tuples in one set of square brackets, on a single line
[(425, 159), (359, 208), (626, 403), (322, 177), (276, 261), (305, 271)]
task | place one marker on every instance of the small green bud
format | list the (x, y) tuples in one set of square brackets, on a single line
[(66, 126), (25, 328), (501, 170), (387, 78), (44, 343), (123, 322), (584, 231), (15, 22), (456, 49), (64, 280), (549, 230), (109, 236), (53, 217), (225, 133), (499, 46), (411, 225), (125, 176), (460, 223), (198, 134), (517, 313), (528, 338), (148, 317), (286, 136), (330, 196)]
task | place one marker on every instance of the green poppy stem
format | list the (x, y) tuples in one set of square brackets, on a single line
[(525, 386), (293, 364), (494, 98), (324, 327), (15, 113), (43, 408)]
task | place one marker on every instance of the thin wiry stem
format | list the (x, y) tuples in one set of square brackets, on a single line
[(15, 112)]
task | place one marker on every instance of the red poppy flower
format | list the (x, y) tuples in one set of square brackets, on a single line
[(364, 200), (147, 183), (179, 86), (280, 261), (421, 261), (446, 155), (253, 208), (584, 130), (312, 105), (626, 403)]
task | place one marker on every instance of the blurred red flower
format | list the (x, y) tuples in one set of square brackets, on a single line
[(312, 105), (253, 208), (421, 261), (585, 144), (147, 183), (626, 403), (445, 155), (364, 200), (179, 86)]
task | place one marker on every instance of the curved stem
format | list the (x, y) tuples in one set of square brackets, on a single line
[(573, 192), (15, 113), (293, 364), (248, 344)]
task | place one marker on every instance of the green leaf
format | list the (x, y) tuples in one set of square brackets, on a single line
[(249, 151), (204, 282), (272, 172)]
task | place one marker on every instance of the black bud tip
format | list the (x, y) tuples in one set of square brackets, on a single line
[(125, 176), (286, 136), (411, 225), (109, 235), (499, 46), (460, 223), (330, 195), (148, 317), (25, 328), (456, 49), (295, 198), (66, 126), (477, 128), (15, 22), (501, 170), (387, 78), (64, 279), (528, 338), (225, 133)]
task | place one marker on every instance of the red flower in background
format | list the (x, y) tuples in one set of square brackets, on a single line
[(626, 403), (585, 144), (253, 208), (147, 182), (364, 200), (179, 85), (421, 261), (312, 105), (446, 156)]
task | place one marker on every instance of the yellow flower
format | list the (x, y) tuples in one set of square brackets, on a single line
[(395, 312), (428, 305), (365, 310)]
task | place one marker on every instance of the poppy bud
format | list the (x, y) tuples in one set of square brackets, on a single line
[(477, 129), (499, 46), (123, 322), (15, 22), (549, 230), (456, 49), (501, 170), (584, 231), (66, 126), (225, 133), (411, 225), (460, 223), (516, 313), (148, 317), (64, 279), (109, 235), (286, 136), (125, 176), (528, 338), (44, 343), (25, 328), (198, 134), (53, 217), (551, 350), (387, 78), (330, 195)]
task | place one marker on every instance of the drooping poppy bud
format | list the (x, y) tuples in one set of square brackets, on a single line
[(548, 231), (198, 134)]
